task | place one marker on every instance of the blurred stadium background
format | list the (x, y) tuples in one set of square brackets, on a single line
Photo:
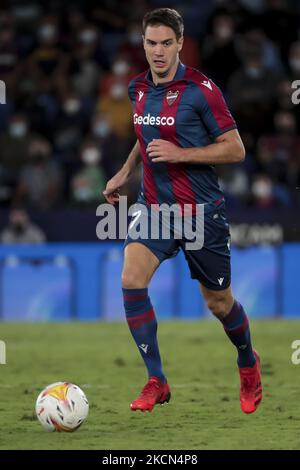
[(66, 128)]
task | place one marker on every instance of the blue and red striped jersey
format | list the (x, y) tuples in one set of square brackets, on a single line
[(189, 111)]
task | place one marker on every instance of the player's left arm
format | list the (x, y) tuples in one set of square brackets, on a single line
[(228, 148)]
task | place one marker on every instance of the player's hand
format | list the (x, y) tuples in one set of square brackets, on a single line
[(112, 190), (160, 150)]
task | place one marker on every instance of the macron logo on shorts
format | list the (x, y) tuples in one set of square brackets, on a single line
[(149, 120), (144, 347)]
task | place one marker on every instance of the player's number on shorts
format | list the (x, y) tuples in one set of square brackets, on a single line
[(136, 215)]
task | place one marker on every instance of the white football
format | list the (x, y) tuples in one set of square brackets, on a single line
[(62, 406)]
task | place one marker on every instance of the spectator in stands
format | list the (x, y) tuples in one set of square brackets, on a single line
[(219, 48), (113, 147), (21, 229), (121, 73), (255, 39), (67, 70), (40, 182), (47, 59), (116, 105), (278, 154), (280, 24), (284, 100), (262, 192), (9, 53), (294, 61), (84, 68), (72, 123), (14, 151), (284, 95), (88, 184), (252, 89), (235, 184), (132, 47), (14, 143)]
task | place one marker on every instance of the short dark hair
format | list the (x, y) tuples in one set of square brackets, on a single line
[(167, 17)]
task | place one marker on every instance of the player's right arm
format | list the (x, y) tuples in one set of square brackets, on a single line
[(114, 185)]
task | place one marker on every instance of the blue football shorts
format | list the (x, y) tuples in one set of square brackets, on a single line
[(210, 265)]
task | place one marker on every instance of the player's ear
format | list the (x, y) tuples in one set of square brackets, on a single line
[(180, 43)]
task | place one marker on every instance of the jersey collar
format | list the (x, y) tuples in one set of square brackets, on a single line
[(178, 75)]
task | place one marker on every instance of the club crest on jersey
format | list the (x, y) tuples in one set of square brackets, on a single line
[(172, 96)]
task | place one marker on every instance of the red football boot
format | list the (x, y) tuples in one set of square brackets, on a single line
[(251, 388), (153, 393)]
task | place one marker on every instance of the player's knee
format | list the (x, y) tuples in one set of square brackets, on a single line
[(133, 280), (218, 307)]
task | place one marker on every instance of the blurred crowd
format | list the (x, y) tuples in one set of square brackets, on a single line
[(67, 125)]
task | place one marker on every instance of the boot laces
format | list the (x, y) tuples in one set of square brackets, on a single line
[(248, 384), (149, 389)]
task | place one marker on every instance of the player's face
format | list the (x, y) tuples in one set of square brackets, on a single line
[(162, 50)]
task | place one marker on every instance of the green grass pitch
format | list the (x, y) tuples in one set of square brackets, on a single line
[(200, 363)]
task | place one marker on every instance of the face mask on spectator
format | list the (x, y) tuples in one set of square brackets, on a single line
[(71, 106), (87, 36), (91, 156), (117, 91), (47, 31), (224, 32), (120, 68), (262, 189), (82, 193), (285, 123), (295, 64), (101, 129), (18, 129), (254, 72)]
